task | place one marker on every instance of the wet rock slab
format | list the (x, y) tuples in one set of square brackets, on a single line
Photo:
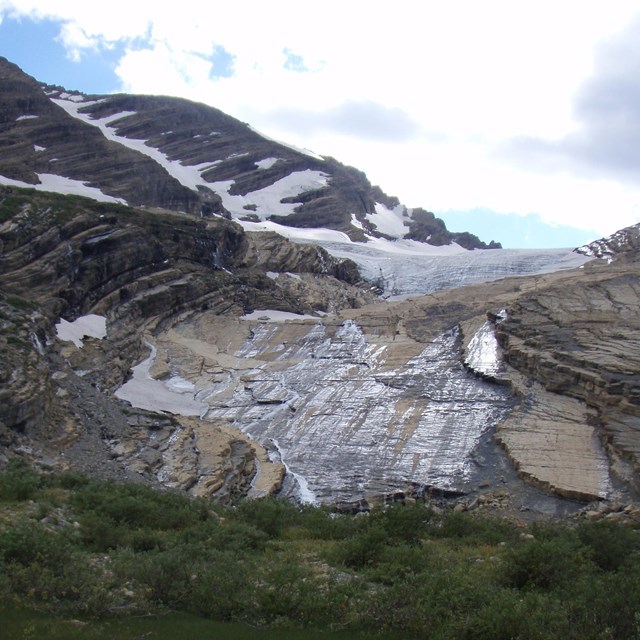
[(349, 413)]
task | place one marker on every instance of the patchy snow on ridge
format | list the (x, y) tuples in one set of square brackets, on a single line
[(92, 326), (273, 315), (267, 163), (72, 97), (188, 176), (296, 234), (65, 186), (267, 201), (389, 221)]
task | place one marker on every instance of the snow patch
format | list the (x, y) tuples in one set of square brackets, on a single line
[(65, 186), (268, 201), (73, 97), (175, 395), (356, 223), (25, 117), (92, 326), (292, 233), (389, 221), (273, 315), (37, 148), (267, 163)]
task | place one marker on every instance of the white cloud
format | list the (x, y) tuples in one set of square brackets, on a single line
[(477, 74)]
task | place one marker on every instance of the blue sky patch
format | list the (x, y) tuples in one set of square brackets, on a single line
[(516, 231), (32, 45), (294, 62), (223, 63)]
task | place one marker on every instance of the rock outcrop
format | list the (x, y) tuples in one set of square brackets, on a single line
[(577, 340), (67, 257)]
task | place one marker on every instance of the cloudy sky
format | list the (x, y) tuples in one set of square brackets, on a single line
[(518, 120)]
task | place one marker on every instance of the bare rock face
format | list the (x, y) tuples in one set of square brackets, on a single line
[(350, 414), (267, 370), (64, 258), (376, 401), (578, 339)]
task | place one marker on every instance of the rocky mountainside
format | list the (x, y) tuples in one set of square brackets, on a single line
[(228, 364), (64, 257), (184, 341), (164, 152)]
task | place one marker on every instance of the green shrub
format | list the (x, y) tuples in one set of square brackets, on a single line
[(546, 564), (230, 536), (224, 589), (405, 524), (271, 515), (606, 606), (67, 480), (100, 533), (611, 543), (398, 563), (509, 614), (29, 544), (137, 506), (19, 482), (322, 523), (362, 550)]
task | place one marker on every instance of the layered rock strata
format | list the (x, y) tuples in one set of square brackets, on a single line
[(578, 341), (140, 272)]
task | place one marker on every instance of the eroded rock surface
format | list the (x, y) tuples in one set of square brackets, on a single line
[(350, 413), (578, 339)]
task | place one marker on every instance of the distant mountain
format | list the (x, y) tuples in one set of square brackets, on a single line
[(179, 155), (625, 242)]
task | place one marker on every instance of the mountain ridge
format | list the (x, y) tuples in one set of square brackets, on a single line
[(188, 135)]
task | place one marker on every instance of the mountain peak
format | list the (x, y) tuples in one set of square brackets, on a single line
[(179, 155)]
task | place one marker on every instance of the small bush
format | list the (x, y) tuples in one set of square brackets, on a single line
[(546, 564), (271, 515), (29, 544), (364, 549), (405, 524), (19, 482), (611, 543), (138, 506)]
